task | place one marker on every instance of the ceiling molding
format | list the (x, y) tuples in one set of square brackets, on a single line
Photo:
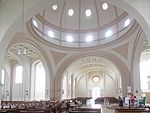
[(100, 46), (59, 28)]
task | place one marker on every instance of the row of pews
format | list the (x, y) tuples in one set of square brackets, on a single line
[(102, 100), (79, 109), (33, 106), (131, 110), (64, 106), (85, 110)]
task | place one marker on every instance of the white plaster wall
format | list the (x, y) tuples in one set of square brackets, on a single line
[(19, 90), (11, 10), (109, 86), (81, 87), (142, 6), (7, 69), (139, 9)]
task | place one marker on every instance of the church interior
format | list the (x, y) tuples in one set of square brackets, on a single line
[(83, 52)]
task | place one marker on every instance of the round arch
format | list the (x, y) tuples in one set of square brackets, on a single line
[(124, 72), (43, 57), (37, 80), (139, 48), (16, 25), (29, 13)]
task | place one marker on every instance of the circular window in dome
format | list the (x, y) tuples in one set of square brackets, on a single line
[(69, 38), (54, 7), (70, 12), (95, 78), (104, 6), (88, 12)]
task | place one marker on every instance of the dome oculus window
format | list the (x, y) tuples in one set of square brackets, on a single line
[(70, 12), (105, 6), (108, 33), (89, 38), (35, 23), (51, 34), (69, 38), (88, 12), (54, 7), (127, 22), (95, 78)]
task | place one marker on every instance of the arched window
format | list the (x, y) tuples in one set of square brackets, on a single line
[(18, 74), (39, 82), (145, 70), (3, 77), (95, 92)]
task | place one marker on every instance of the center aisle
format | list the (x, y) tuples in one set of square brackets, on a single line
[(91, 104)]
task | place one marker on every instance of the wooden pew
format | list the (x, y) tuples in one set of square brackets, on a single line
[(132, 111), (26, 111), (85, 110), (101, 100), (32, 106), (9, 111)]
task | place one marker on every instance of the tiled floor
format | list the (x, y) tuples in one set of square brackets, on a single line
[(106, 110)]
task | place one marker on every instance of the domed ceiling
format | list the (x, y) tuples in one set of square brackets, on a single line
[(80, 23)]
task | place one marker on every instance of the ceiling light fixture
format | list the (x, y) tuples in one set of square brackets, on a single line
[(24, 51), (19, 51), (88, 12), (95, 78), (105, 6)]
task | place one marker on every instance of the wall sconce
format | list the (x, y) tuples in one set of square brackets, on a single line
[(26, 91), (7, 93), (19, 51), (117, 91), (136, 91), (47, 92), (24, 51), (68, 92), (62, 91), (129, 89)]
